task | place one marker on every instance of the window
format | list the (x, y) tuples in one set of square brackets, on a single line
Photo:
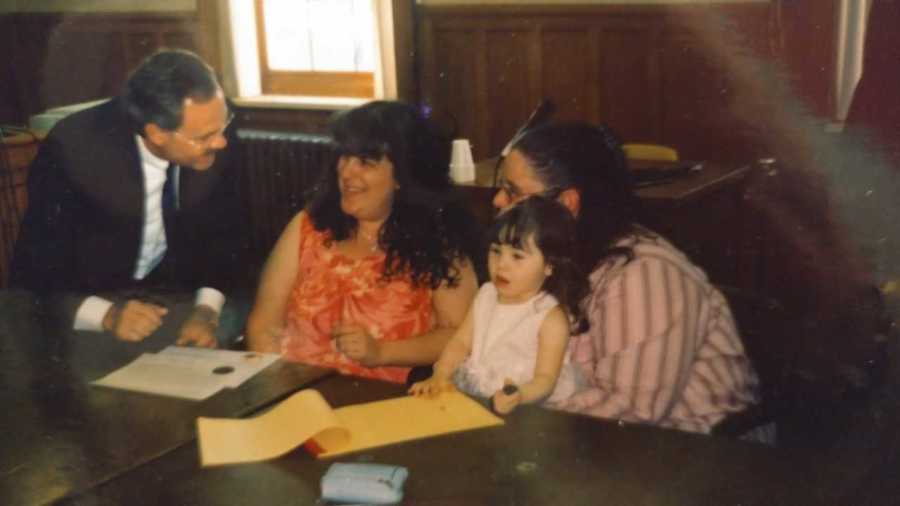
[(316, 47)]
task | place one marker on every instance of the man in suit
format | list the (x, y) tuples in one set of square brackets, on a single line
[(129, 206)]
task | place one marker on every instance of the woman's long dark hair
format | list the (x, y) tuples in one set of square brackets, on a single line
[(589, 159), (428, 229), (553, 229)]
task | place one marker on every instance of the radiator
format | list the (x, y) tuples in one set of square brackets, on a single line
[(276, 169)]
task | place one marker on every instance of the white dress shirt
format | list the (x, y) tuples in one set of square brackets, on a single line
[(153, 239), (91, 312)]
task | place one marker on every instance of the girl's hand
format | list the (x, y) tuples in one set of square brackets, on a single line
[(507, 398), (431, 387), (356, 343)]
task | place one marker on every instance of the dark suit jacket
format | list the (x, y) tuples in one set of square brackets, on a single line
[(82, 231)]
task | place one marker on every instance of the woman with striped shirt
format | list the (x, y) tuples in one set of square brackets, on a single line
[(662, 347)]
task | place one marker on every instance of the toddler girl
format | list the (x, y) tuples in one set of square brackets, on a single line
[(512, 345)]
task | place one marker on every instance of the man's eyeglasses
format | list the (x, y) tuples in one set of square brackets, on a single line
[(204, 141)]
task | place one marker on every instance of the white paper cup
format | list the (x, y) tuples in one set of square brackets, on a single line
[(462, 168)]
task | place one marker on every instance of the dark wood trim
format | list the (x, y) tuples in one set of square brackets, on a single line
[(283, 119), (405, 49), (208, 36)]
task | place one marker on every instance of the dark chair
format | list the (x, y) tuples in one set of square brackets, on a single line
[(762, 322), (816, 371)]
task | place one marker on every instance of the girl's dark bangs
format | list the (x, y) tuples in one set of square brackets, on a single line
[(512, 228)]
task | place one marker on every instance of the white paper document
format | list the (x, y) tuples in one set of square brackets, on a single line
[(188, 373), (243, 364)]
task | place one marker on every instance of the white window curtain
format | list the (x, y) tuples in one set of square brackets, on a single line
[(853, 17)]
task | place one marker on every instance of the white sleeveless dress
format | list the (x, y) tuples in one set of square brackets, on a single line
[(505, 345)]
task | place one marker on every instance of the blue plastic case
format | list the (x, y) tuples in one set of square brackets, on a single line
[(364, 483)]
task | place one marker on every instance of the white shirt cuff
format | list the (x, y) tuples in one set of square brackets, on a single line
[(210, 297), (90, 314)]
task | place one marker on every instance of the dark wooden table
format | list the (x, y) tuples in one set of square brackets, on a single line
[(538, 457), (59, 435), (65, 441)]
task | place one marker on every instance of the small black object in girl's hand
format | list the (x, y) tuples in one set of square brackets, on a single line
[(510, 389)]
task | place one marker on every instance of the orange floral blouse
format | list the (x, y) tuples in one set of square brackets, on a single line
[(330, 288)]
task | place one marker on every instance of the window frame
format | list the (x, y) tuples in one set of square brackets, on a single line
[(309, 83)]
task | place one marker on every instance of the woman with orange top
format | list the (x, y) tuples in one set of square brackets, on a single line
[(375, 274)]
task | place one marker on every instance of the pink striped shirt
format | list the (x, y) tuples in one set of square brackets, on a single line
[(663, 347)]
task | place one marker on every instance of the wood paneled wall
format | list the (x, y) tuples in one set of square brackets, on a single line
[(808, 29), (57, 59), (720, 82), (647, 71), (643, 69)]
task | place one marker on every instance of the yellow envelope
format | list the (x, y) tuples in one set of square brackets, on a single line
[(306, 415)]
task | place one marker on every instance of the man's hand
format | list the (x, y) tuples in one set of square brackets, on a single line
[(200, 328), (354, 342), (134, 321)]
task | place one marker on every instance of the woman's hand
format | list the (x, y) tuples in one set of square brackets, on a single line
[(507, 398), (432, 387), (268, 341), (355, 342)]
